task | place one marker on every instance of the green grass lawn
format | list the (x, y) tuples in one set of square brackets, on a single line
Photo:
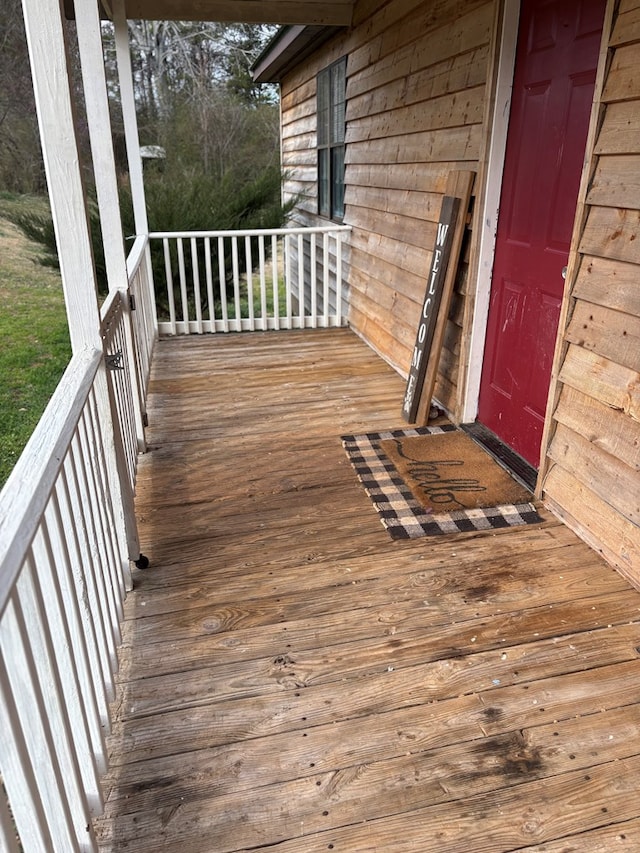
[(34, 338)]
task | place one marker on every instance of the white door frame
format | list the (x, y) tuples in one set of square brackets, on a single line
[(489, 217)]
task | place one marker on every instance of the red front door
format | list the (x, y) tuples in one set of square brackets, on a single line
[(556, 58)]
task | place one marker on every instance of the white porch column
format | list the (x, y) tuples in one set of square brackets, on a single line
[(47, 50), (104, 166), (45, 39), (127, 98), (132, 139)]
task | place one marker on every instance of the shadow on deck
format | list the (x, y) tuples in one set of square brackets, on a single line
[(294, 680)]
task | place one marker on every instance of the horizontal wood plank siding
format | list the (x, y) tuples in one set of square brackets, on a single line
[(418, 86), (417, 77), (592, 476)]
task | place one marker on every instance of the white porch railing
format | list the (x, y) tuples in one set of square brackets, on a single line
[(62, 586), (67, 530), (232, 281), (67, 533)]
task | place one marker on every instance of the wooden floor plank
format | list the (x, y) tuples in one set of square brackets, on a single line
[(293, 680), (404, 621), (622, 836), (504, 820), (324, 747), (495, 582), (408, 782), (369, 659), (431, 593), (243, 713)]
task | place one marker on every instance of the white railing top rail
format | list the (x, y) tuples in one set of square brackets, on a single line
[(28, 488), (253, 232), (136, 255), (109, 306), (251, 279)]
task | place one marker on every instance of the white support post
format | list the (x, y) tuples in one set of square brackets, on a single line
[(104, 166), (132, 139), (47, 50), (45, 39), (127, 98)]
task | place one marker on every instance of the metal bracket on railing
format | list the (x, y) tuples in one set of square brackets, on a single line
[(114, 361)]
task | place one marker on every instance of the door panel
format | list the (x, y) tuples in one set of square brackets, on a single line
[(556, 59)]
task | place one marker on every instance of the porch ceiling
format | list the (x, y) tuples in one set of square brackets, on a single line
[(312, 12)]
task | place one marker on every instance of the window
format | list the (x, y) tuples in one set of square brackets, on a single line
[(331, 111)]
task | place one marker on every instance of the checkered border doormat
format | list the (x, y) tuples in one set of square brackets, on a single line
[(400, 512)]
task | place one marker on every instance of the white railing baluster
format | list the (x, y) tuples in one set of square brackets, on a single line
[(275, 278), (123, 379), (310, 283), (222, 272), (20, 778), (97, 593), (60, 556), (129, 415), (313, 274), (195, 273), (36, 723), (100, 551), (89, 429), (325, 281), (287, 281), (338, 314), (235, 265), (142, 329), (57, 674), (301, 280), (248, 265), (95, 435), (264, 312), (169, 275), (89, 612), (209, 278), (184, 297), (126, 413), (147, 326)]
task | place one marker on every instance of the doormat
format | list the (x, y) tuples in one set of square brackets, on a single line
[(452, 485)]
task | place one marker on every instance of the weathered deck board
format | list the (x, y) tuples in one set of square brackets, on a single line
[(294, 680)]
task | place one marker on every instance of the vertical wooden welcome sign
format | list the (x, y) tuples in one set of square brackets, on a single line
[(437, 300)]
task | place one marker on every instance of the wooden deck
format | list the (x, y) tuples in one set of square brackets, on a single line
[(294, 680)]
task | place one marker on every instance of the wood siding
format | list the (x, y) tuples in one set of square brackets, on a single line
[(416, 97), (592, 475), (419, 78)]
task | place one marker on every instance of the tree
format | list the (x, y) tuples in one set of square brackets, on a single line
[(196, 99), (21, 167), (195, 95)]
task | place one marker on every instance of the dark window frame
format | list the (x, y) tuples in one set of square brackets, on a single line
[(331, 93)]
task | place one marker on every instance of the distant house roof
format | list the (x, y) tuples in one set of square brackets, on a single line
[(289, 46)]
